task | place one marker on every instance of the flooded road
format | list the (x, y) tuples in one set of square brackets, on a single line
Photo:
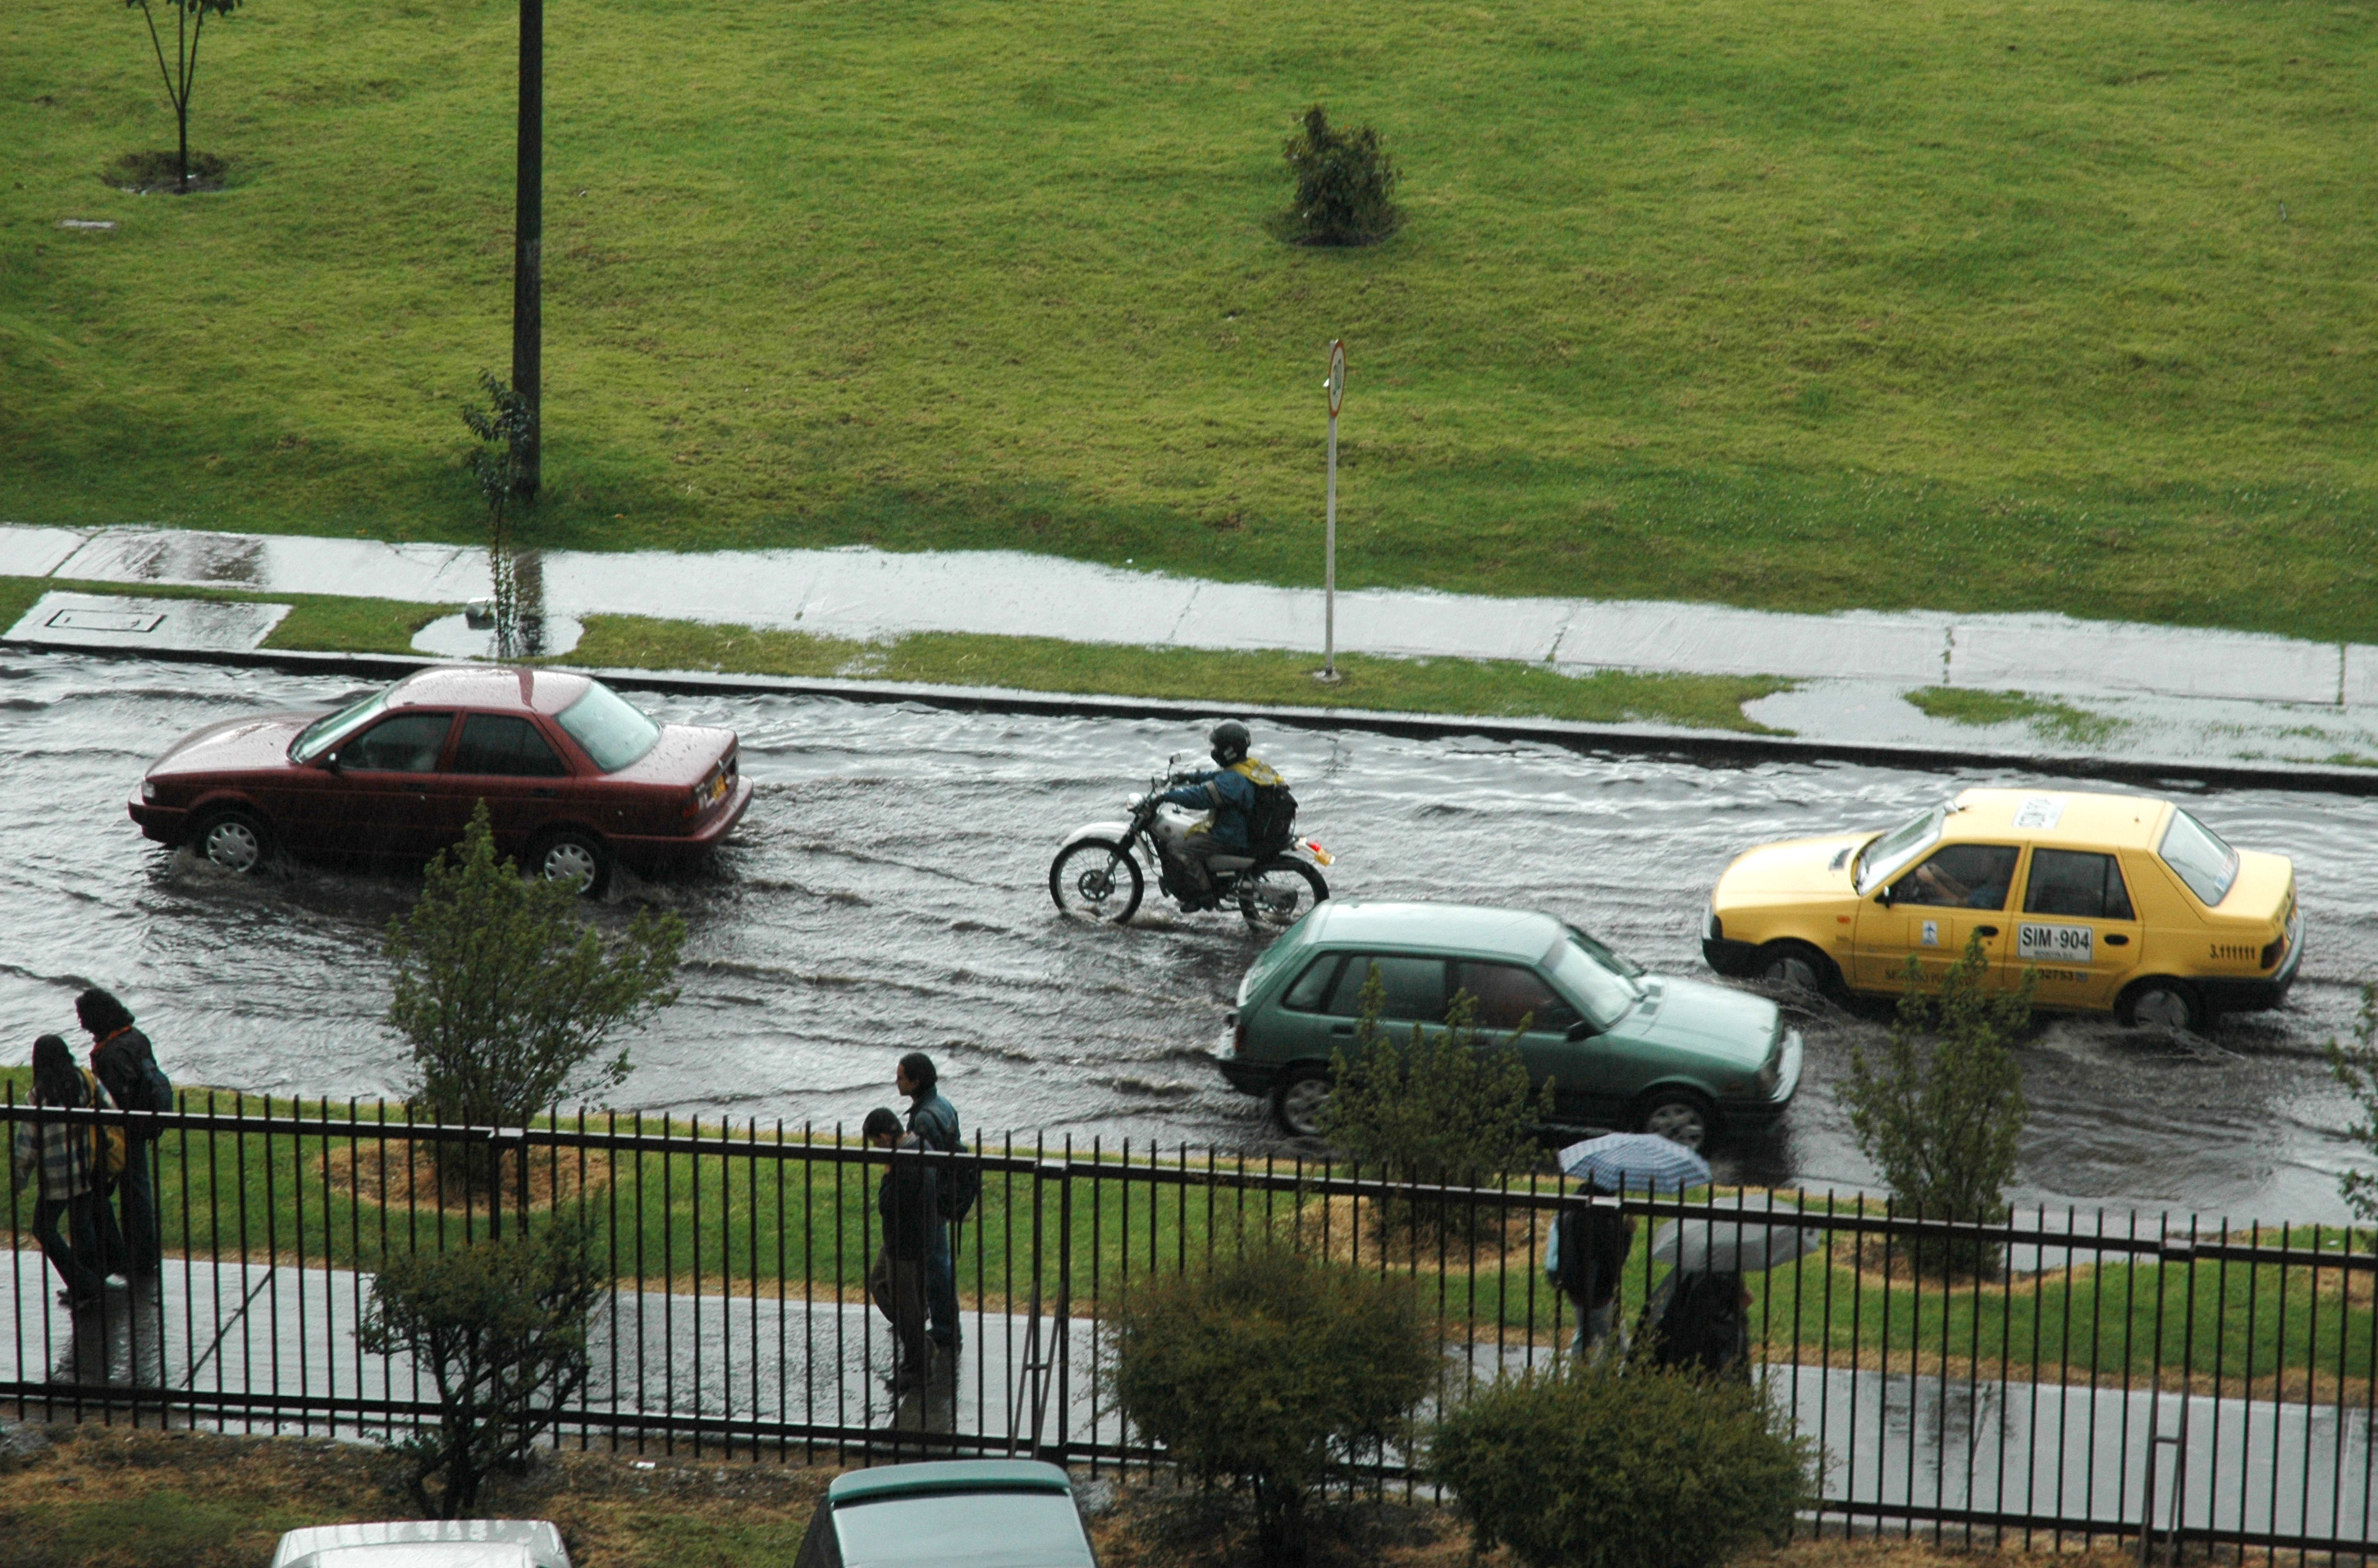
[(887, 892)]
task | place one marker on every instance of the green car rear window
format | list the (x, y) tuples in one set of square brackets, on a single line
[(1011, 1529)]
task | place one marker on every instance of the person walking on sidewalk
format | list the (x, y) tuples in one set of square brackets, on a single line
[(897, 1281), (63, 1159), (122, 1059), (935, 1121), (1586, 1260)]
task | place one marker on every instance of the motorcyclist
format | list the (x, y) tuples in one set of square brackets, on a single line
[(1227, 792)]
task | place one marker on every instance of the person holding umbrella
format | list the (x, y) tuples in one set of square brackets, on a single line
[(1585, 1261), (1588, 1254), (1699, 1315)]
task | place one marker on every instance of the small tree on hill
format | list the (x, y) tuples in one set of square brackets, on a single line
[(1262, 1373), (508, 996), (504, 463), (1433, 1111), (2356, 1067), (181, 74), (500, 1327), (1945, 1126), (1344, 182)]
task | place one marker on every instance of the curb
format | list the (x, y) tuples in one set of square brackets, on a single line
[(1713, 748)]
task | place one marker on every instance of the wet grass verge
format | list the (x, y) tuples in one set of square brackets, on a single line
[(2049, 718), (321, 623), (769, 1212), (1499, 688)]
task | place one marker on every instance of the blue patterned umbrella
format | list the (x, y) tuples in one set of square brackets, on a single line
[(1626, 1162)]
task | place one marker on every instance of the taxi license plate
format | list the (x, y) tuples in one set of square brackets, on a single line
[(2056, 944)]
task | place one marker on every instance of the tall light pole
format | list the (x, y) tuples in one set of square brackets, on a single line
[(528, 238), (1335, 384)]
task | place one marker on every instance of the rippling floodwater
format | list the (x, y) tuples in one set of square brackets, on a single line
[(888, 892)]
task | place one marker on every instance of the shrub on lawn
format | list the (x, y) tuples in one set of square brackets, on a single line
[(1343, 183), (1602, 1468), (1261, 1373), (1944, 1125), (1442, 1111), (500, 1327)]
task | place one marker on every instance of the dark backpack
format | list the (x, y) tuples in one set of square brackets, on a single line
[(1593, 1253), (160, 1087), (1703, 1328), (1271, 821), (960, 1185)]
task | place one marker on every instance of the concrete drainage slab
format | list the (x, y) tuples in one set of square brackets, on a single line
[(84, 620)]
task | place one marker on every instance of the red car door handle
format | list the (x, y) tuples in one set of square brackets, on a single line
[(546, 793)]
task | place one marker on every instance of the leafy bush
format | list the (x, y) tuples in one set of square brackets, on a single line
[(1263, 1372), (1599, 1468), (1343, 183), (2356, 1067), (501, 1328), (1945, 1127), (1439, 1111)]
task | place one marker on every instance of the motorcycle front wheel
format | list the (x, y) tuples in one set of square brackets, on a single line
[(1096, 879), (1279, 893)]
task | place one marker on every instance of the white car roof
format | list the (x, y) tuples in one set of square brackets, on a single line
[(425, 1543)]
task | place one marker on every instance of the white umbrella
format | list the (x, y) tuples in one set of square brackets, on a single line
[(1725, 1243)]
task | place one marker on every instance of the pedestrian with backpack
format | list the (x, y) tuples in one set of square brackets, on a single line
[(935, 1121), (1586, 1260), (67, 1162), (123, 1062)]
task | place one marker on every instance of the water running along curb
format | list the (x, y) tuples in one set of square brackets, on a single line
[(1712, 748)]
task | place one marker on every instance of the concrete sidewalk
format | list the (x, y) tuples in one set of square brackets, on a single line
[(2173, 692)]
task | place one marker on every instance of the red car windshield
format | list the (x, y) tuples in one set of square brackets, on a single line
[(332, 728)]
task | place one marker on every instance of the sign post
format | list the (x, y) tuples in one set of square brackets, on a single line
[(1335, 387)]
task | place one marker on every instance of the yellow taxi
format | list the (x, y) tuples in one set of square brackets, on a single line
[(2119, 902)]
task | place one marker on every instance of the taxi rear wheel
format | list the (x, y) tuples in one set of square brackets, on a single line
[(1799, 967), (2163, 1004)]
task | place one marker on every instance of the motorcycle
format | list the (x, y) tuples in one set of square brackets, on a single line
[(1097, 874)]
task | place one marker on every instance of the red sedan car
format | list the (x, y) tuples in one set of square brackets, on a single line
[(575, 778)]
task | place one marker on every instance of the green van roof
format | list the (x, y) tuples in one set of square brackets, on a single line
[(1518, 934), (943, 1476)]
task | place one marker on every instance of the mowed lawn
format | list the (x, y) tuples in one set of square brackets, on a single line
[(1977, 305)]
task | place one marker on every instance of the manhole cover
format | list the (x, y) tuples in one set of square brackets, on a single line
[(105, 620)]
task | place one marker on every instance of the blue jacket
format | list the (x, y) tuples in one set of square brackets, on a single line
[(1228, 795)]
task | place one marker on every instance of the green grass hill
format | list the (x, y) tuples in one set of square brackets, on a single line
[(1974, 304)]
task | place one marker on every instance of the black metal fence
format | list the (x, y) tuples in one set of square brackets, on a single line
[(2099, 1374)]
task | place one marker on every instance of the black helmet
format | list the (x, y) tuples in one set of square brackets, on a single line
[(1230, 741)]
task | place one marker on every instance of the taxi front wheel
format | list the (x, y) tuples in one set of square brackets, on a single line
[(1799, 967), (2162, 1004)]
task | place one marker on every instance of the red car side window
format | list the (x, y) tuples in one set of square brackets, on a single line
[(505, 747), (408, 743)]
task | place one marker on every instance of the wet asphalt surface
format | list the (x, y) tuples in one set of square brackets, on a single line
[(888, 892)]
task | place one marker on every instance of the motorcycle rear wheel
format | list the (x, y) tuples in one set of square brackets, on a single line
[(1278, 893), (1096, 879)]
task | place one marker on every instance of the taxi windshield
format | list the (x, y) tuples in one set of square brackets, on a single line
[(332, 728), (2201, 857), (1886, 855), (1601, 991)]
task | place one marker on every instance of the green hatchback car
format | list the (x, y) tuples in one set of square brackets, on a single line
[(948, 1513), (1623, 1048)]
